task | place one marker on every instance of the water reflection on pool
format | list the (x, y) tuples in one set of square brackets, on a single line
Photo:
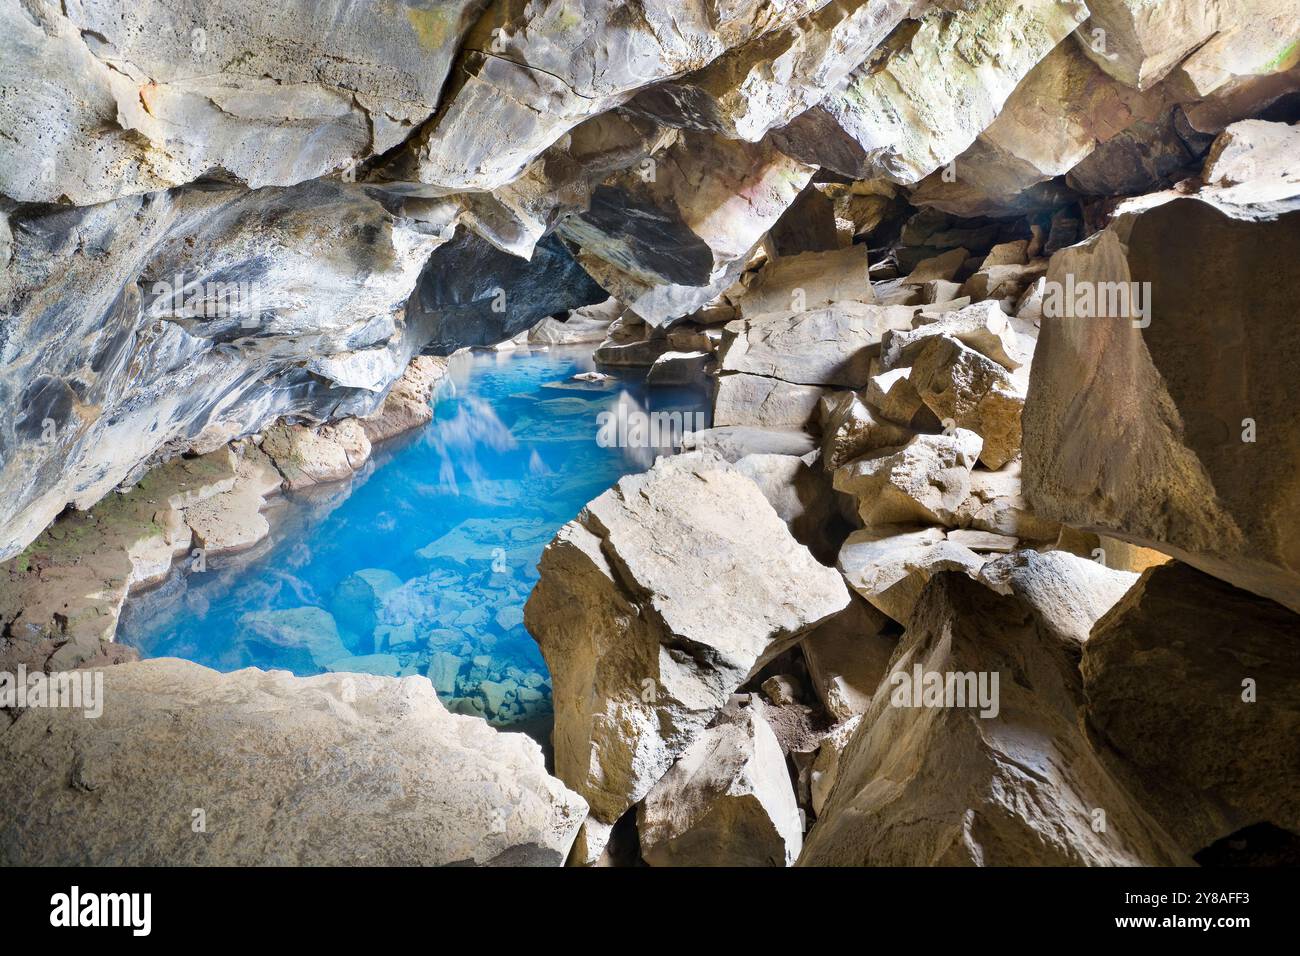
[(422, 563)]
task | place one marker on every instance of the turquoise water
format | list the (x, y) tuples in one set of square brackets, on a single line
[(422, 563)]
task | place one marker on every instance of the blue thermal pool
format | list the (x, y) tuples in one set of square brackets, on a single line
[(422, 563)]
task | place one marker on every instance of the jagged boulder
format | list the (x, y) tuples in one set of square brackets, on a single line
[(966, 390), (663, 597), (993, 777), (1193, 700), (832, 346), (925, 480), (727, 801), (929, 89), (375, 769), (1207, 468), (890, 565)]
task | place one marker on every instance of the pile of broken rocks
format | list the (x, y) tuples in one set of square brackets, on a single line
[(740, 640)]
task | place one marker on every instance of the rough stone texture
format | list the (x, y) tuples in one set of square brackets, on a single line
[(727, 801), (122, 98), (472, 293), (1140, 42), (1069, 593), (734, 442), (679, 368), (982, 326), (762, 402), (319, 771), (1062, 110), (1165, 675), (926, 480), (846, 657), (668, 239), (943, 786), (967, 390), (1182, 480), (766, 83), (929, 90), (851, 429), (315, 330), (666, 594), (831, 346), (811, 280), (529, 72), (890, 565), (801, 493), (826, 765)]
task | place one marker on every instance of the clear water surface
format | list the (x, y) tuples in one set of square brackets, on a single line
[(422, 563)]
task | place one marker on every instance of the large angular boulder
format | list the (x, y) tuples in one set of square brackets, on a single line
[(890, 565), (929, 90), (811, 280), (830, 346), (924, 481), (667, 593), (964, 389), (187, 766), (1133, 344), (727, 801), (999, 774), (1193, 693), (847, 656), (762, 402)]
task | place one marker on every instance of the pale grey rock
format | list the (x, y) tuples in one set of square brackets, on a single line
[(766, 83), (734, 442), (668, 592), (807, 282), (850, 429), (982, 326), (375, 769), (727, 801), (831, 346), (1068, 592), (926, 480), (966, 390), (679, 368), (123, 98), (1015, 787), (929, 90), (529, 73), (320, 271), (761, 402), (890, 565)]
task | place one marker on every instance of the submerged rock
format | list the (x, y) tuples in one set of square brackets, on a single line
[(193, 767)]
